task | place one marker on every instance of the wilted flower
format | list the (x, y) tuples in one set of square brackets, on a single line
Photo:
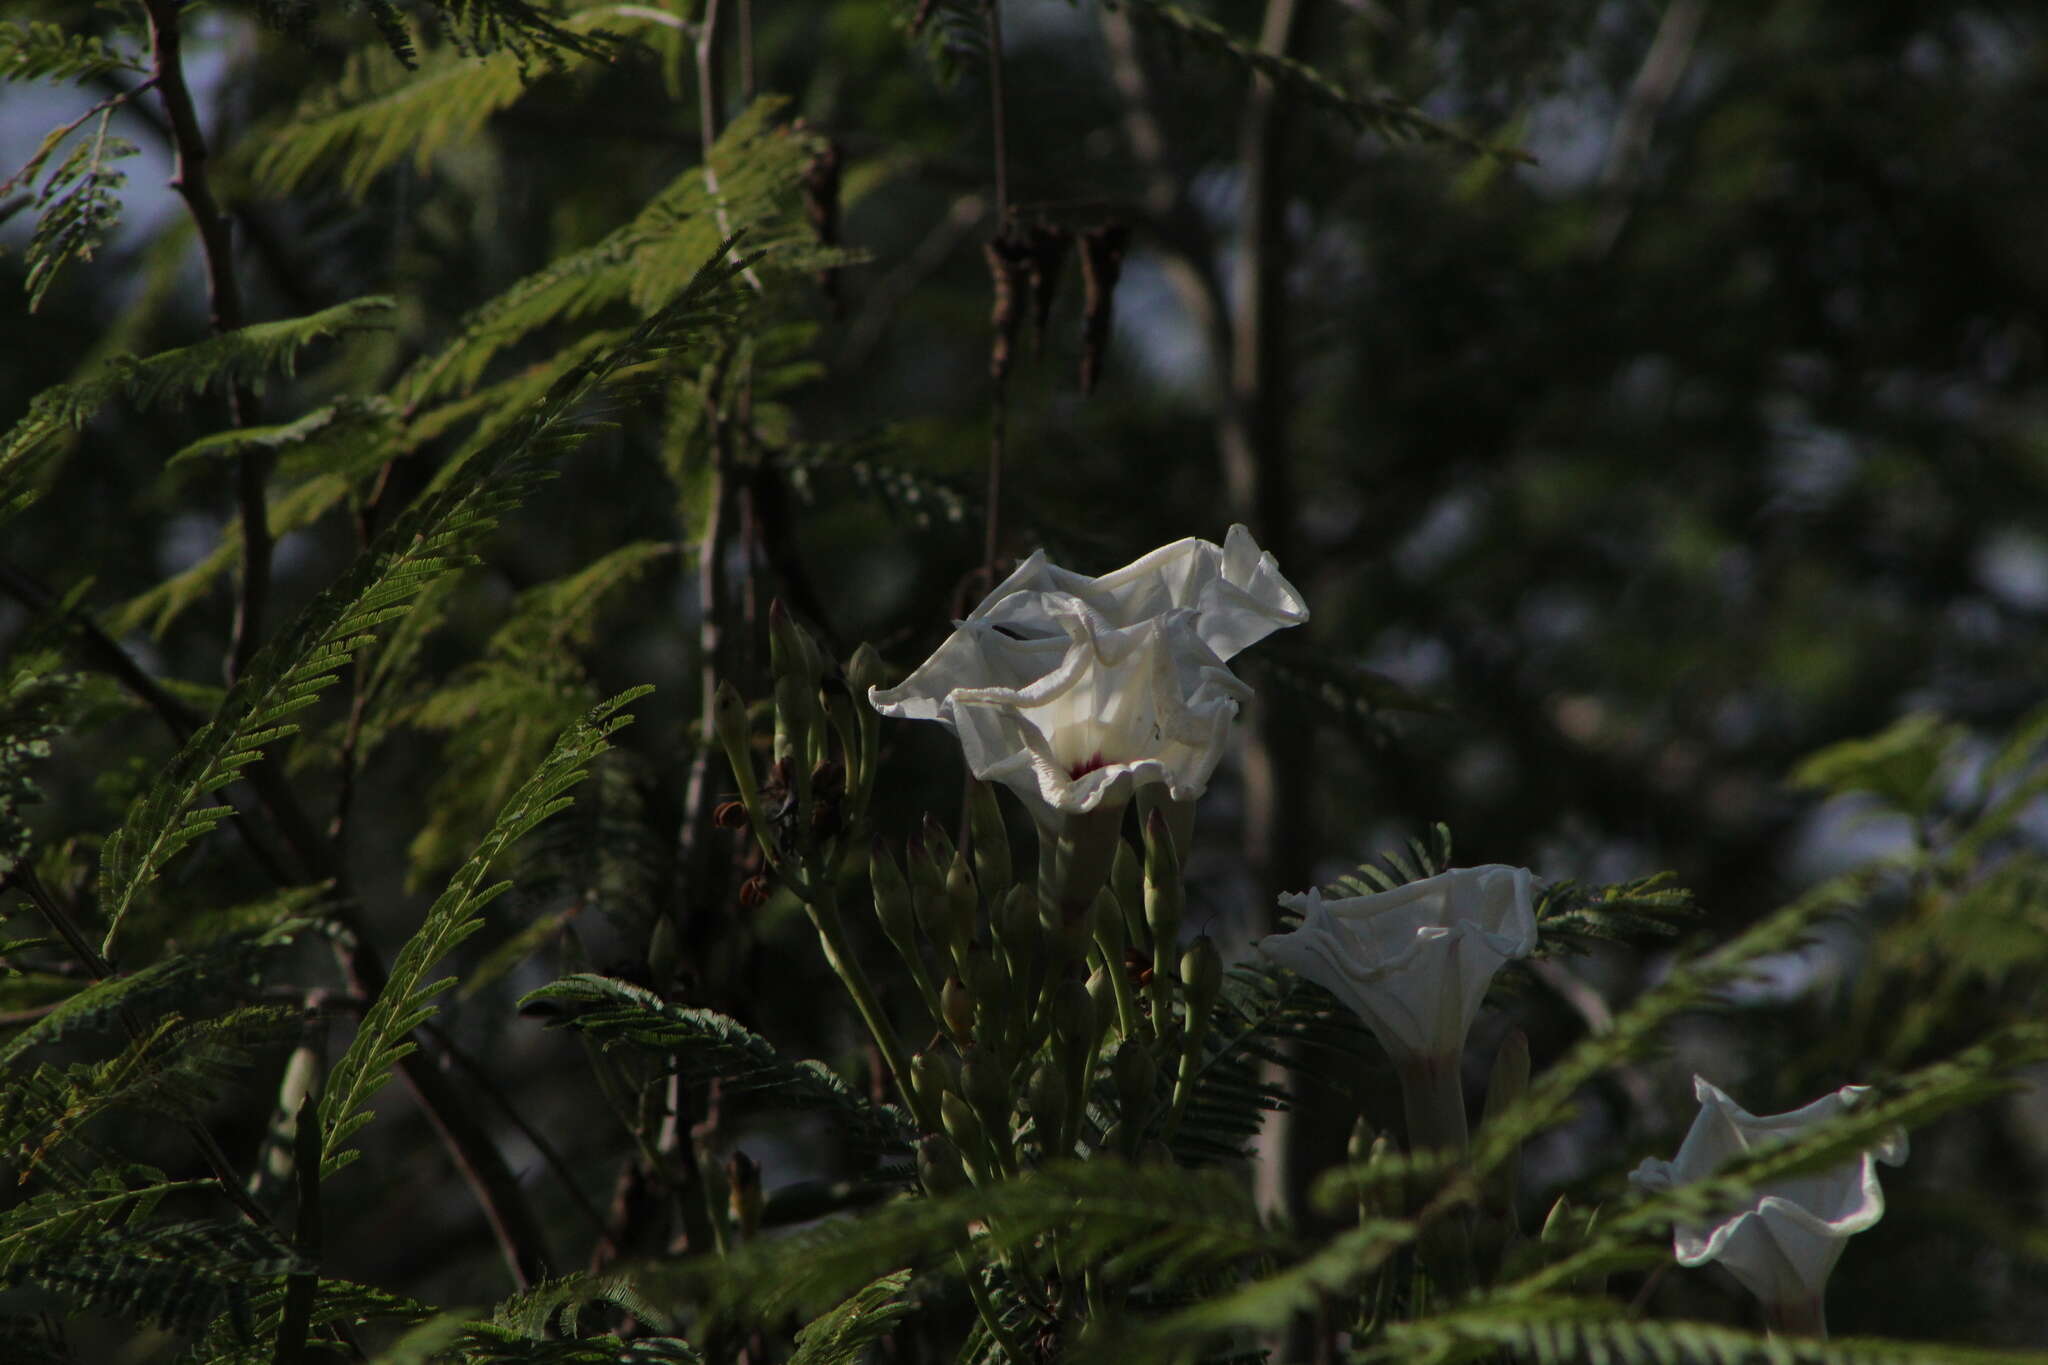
[(1784, 1242), (1413, 962), (1234, 596)]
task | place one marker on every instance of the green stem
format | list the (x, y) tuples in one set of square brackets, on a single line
[(824, 912), (1433, 1097), (986, 1307)]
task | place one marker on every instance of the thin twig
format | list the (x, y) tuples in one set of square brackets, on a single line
[(224, 297), (496, 1094), (105, 106)]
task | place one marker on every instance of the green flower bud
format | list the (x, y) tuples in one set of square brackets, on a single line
[(1048, 1098), (1111, 931), (892, 898), (864, 670), (938, 841), (938, 1166), (1163, 890), (961, 1124), (793, 705), (1076, 1015), (791, 651), (934, 1074), (1201, 971), (1127, 879), (986, 1085), (1137, 1080), (989, 986), (992, 868), (1101, 993), (958, 1006), (962, 899)]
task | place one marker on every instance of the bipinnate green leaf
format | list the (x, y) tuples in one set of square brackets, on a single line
[(703, 1043), (407, 998)]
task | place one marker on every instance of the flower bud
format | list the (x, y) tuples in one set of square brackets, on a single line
[(892, 898), (1076, 1015), (938, 1166), (992, 869), (1049, 1105), (1127, 879), (985, 1084), (1102, 993), (989, 987), (729, 716), (937, 840), (793, 704), (864, 670), (1137, 1081), (743, 1192), (962, 900), (1201, 971), (933, 1074), (1112, 934), (961, 1124), (958, 1007), (791, 651), (1163, 890)]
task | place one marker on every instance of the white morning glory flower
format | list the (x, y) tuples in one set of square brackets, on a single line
[(1785, 1241), (1233, 593), (1119, 709), (1414, 962)]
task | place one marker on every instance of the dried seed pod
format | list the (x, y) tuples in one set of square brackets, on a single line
[(1102, 262), (1048, 245), (1009, 262)]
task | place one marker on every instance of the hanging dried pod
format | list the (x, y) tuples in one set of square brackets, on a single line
[(1102, 261), (1009, 262)]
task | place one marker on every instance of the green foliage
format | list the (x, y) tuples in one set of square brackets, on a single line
[(35, 51), (242, 357), (702, 1043), (80, 203), (846, 1334), (1899, 766), (30, 701), (406, 1000)]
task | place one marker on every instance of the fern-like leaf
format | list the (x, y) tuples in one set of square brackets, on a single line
[(704, 1043), (245, 357), (407, 998), (44, 52), (845, 1335)]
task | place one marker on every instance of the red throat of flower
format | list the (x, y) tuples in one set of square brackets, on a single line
[(1088, 765)]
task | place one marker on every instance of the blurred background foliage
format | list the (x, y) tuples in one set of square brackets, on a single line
[(1621, 474)]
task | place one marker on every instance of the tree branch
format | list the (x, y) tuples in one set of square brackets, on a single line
[(224, 297)]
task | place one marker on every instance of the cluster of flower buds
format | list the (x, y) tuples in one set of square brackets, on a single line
[(820, 773)]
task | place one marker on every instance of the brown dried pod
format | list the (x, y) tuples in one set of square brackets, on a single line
[(1048, 245), (753, 892), (1008, 272), (1102, 262), (730, 815), (821, 208)]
